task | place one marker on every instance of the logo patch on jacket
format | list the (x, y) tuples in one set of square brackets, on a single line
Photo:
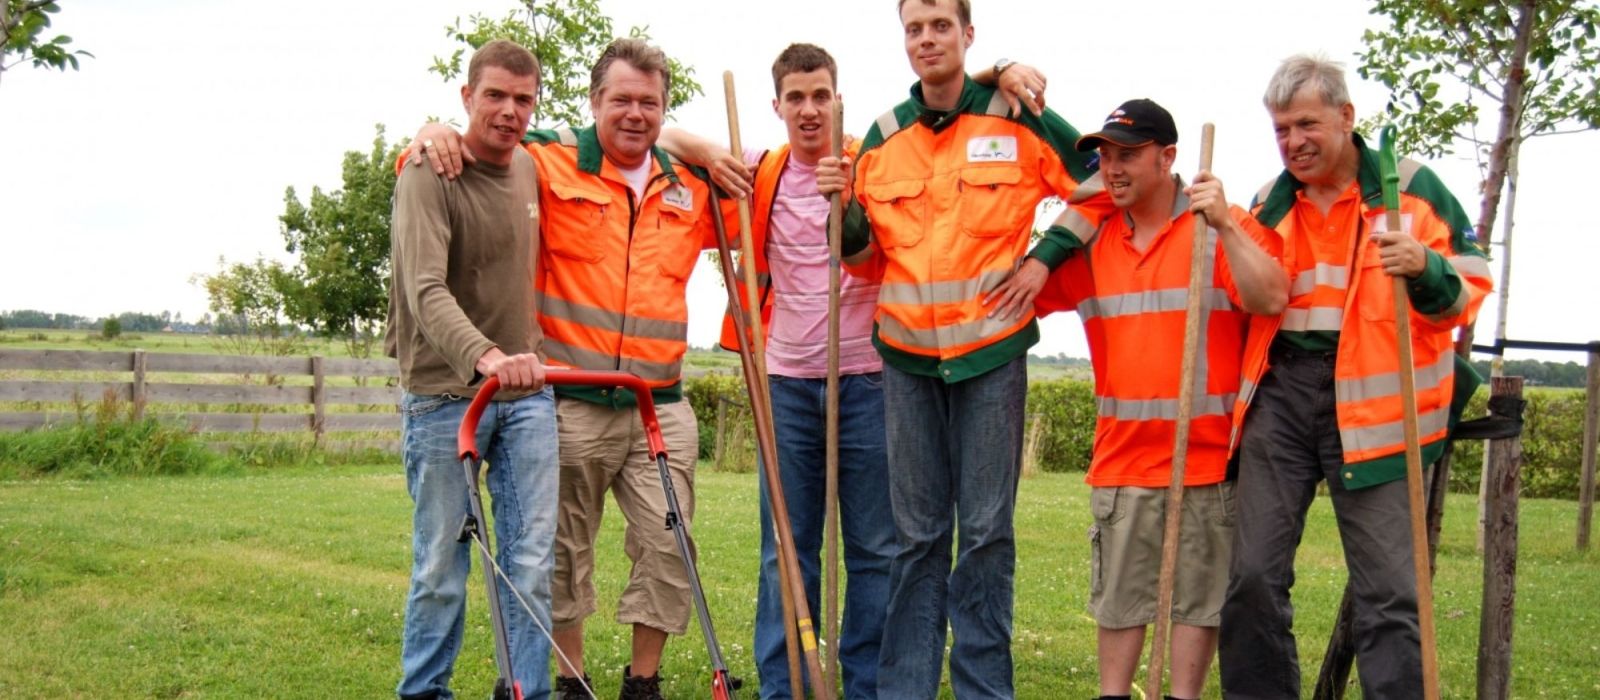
[(990, 149), (679, 196)]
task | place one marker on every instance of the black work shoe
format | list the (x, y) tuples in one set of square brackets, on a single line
[(639, 687), (569, 688)]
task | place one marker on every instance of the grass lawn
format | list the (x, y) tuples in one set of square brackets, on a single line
[(290, 583)]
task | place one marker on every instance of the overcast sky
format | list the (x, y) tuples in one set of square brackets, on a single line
[(173, 146)]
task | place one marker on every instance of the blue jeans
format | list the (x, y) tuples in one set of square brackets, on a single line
[(799, 408), (518, 439), (955, 451)]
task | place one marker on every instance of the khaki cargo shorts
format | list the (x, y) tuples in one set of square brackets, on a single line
[(1125, 555), (601, 449)]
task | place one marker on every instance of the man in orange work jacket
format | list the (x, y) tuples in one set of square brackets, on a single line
[(1130, 287), (1320, 398), (943, 202), (623, 227)]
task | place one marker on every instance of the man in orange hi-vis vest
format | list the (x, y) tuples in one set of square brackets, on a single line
[(944, 193), (622, 229), (1130, 287), (1320, 396), (789, 220)]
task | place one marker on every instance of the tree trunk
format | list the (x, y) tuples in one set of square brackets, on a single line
[(1503, 304)]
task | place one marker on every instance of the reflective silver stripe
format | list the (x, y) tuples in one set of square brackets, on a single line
[(1469, 265), (1384, 435), (1465, 266), (1153, 301), (997, 105), (1323, 275), (589, 359), (595, 317), (1086, 189), (1316, 318), (567, 137), (1161, 409), (1265, 191), (943, 336), (1247, 393), (1387, 385), (946, 292), (1078, 225), (1408, 169), (887, 125)]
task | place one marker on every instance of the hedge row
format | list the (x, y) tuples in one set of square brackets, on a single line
[(1552, 439)]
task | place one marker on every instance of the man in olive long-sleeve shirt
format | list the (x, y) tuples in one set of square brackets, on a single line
[(460, 309)]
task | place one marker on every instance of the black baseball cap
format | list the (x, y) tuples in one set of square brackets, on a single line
[(1135, 123)]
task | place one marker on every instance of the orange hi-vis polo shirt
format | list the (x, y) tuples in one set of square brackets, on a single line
[(1132, 304)]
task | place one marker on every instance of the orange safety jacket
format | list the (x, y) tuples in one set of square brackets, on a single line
[(948, 200), (1133, 307), (1351, 295), (769, 170), (613, 266)]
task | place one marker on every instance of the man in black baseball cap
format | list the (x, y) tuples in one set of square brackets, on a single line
[(1130, 289)]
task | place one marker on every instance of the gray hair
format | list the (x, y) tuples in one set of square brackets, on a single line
[(1324, 75)]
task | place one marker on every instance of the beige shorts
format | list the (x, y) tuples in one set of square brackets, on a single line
[(602, 449), (1125, 555)]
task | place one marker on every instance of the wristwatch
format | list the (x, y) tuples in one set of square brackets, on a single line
[(1001, 65)]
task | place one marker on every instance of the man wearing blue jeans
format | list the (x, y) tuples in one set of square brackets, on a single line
[(461, 309), (943, 194)]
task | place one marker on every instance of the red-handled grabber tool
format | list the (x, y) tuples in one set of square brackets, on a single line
[(721, 686)]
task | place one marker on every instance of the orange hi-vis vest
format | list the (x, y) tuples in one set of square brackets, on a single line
[(1343, 289), (1133, 307), (613, 266), (948, 199), (768, 172)]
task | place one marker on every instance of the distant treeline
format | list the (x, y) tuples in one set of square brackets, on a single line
[(132, 321)]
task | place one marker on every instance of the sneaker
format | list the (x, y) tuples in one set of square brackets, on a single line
[(639, 687), (568, 688)]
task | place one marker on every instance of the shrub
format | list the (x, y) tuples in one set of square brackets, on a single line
[(1066, 438), (704, 393), (107, 442), (110, 329), (1552, 444)]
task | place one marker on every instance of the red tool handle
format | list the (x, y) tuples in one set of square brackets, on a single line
[(466, 436)]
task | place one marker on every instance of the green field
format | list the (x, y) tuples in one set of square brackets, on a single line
[(290, 583)]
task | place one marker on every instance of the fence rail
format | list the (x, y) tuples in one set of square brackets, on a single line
[(255, 389)]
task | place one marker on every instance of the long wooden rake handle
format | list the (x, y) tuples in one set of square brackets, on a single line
[(831, 623), (1388, 166), (761, 408), (1192, 317)]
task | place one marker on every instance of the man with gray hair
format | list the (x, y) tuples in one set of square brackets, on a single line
[(1319, 398)]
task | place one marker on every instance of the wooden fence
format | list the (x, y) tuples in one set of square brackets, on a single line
[(229, 394)]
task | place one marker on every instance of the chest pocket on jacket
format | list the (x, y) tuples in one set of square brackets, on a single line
[(575, 226), (675, 247), (990, 204), (898, 211)]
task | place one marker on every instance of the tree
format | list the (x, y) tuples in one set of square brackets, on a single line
[(110, 329), (22, 25), (251, 303), (1536, 59), (339, 286), (567, 36)]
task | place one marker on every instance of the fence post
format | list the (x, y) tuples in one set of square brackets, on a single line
[(1591, 433), (319, 400), (138, 384), (1500, 557), (722, 422), (1030, 449)]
